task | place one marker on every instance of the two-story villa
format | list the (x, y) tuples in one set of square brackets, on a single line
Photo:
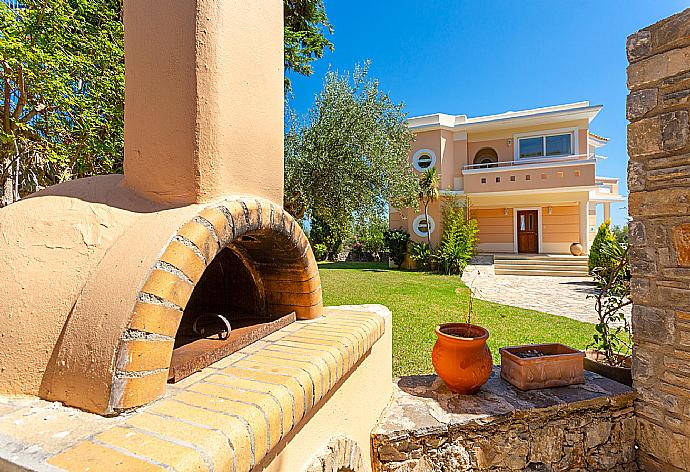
[(530, 177)]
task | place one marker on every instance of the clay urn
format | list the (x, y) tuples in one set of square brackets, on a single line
[(461, 357), (576, 249)]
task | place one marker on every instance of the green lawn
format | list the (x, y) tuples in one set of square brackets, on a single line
[(420, 301)]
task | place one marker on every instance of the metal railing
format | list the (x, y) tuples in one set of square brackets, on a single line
[(533, 161)]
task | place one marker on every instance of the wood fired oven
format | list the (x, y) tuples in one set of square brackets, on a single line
[(113, 285)]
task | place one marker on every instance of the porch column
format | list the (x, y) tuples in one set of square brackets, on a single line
[(584, 224), (607, 211)]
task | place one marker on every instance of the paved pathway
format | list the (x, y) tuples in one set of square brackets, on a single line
[(562, 296)]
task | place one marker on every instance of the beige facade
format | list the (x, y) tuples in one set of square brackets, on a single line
[(535, 163)]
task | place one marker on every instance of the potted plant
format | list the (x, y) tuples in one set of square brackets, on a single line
[(609, 353), (534, 366), (460, 356)]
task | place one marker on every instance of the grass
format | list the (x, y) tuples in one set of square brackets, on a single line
[(420, 301)]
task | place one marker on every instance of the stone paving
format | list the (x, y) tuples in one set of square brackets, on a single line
[(562, 296)]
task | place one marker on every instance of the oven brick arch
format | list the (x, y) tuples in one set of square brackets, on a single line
[(145, 349)]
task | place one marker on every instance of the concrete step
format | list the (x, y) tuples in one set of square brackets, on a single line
[(540, 272), (543, 262), (553, 267)]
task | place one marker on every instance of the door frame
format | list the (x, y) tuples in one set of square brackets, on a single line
[(515, 228)]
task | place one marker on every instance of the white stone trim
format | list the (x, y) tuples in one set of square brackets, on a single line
[(430, 223), (418, 154)]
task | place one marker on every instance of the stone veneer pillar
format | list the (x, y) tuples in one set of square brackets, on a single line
[(659, 204)]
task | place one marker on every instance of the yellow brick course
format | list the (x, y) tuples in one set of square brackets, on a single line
[(157, 319), (233, 428), (92, 457), (279, 392), (185, 259), (140, 355), (270, 408), (211, 442), (183, 458), (169, 287)]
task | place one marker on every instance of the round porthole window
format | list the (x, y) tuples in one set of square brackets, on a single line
[(423, 226), (423, 159)]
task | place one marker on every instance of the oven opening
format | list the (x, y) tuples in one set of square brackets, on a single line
[(226, 312)]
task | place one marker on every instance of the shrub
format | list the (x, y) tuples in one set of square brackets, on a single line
[(598, 258), (620, 233), (396, 240), (373, 240), (320, 252), (613, 336), (421, 254), (458, 240)]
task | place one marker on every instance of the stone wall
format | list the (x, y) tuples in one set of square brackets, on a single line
[(427, 428), (659, 204)]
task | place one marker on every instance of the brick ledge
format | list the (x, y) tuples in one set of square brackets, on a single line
[(226, 417)]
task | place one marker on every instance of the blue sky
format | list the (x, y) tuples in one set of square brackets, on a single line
[(484, 57)]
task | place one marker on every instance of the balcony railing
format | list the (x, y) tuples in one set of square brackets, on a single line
[(533, 161)]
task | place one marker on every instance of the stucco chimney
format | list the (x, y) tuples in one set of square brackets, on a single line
[(204, 99)]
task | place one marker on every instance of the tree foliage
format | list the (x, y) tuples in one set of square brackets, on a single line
[(613, 332), (347, 159), (458, 240), (306, 25), (396, 240), (62, 86), (62, 91), (598, 257), (427, 193)]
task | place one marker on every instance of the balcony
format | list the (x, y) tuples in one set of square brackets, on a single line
[(531, 174)]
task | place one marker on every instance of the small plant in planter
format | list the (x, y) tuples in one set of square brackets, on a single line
[(609, 353), (460, 356)]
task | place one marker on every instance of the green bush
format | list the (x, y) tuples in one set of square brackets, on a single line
[(320, 252), (420, 254), (598, 257), (373, 240), (458, 240), (396, 240)]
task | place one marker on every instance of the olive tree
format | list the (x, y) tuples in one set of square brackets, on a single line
[(62, 90), (347, 159)]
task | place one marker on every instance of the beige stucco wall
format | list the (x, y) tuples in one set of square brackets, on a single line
[(567, 174), (495, 229), (499, 136), (500, 145), (560, 229), (204, 99)]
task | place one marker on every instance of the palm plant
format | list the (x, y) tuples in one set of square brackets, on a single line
[(428, 193)]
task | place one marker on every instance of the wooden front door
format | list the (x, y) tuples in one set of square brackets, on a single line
[(528, 231)]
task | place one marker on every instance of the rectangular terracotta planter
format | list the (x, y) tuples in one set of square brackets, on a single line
[(560, 366)]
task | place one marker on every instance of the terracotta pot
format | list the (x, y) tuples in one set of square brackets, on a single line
[(461, 357), (576, 249), (594, 362), (556, 366)]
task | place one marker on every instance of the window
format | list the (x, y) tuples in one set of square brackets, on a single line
[(512, 178), (423, 159), (545, 146), (498, 180), (423, 227), (528, 177), (483, 180)]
